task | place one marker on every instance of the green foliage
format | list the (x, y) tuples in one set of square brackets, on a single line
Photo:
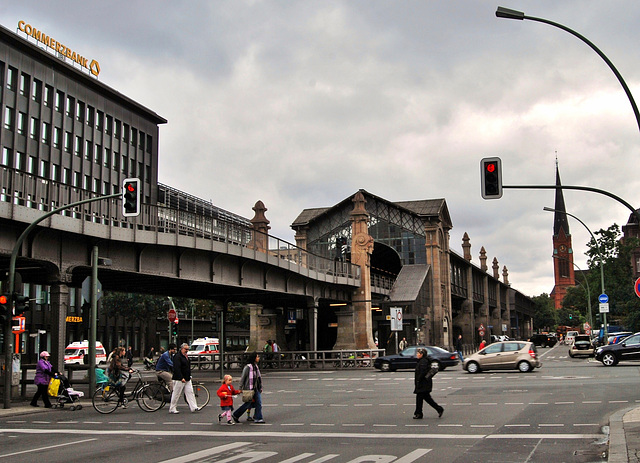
[(618, 278), (545, 313)]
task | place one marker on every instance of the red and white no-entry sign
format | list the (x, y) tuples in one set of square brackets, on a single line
[(172, 315)]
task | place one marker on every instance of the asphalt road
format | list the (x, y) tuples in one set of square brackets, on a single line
[(558, 413)]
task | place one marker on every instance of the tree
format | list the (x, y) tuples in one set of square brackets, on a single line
[(545, 314), (618, 277)]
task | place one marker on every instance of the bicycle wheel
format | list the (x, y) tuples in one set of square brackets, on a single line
[(152, 397), (105, 400), (202, 395)]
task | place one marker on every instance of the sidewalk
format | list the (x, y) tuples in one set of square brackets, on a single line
[(624, 436)]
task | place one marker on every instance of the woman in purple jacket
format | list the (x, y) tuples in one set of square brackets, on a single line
[(44, 373)]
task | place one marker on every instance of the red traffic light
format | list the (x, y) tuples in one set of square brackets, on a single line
[(3, 299), (130, 187), (491, 167)]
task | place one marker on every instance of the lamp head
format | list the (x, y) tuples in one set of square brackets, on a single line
[(502, 12)]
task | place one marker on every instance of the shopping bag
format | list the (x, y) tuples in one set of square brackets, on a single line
[(54, 387), (247, 396)]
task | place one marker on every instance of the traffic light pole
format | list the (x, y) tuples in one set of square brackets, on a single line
[(8, 338)]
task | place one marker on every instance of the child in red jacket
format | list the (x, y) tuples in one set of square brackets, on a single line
[(226, 393)]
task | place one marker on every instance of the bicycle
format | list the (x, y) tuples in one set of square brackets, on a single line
[(106, 399)]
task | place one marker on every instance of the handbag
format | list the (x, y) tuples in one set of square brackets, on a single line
[(54, 387), (247, 396)]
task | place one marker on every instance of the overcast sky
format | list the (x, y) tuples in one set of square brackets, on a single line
[(301, 103)]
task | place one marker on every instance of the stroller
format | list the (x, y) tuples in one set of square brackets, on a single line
[(149, 364), (66, 395)]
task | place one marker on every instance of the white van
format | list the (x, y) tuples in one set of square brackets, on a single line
[(204, 346), (571, 337), (77, 353)]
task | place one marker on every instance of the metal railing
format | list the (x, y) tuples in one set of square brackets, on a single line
[(291, 360), (22, 189)]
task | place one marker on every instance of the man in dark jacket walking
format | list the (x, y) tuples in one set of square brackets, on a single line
[(424, 384), (182, 380)]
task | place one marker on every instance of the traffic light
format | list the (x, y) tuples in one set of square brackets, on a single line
[(131, 197), (21, 303), (5, 309), (570, 316), (174, 329), (491, 178)]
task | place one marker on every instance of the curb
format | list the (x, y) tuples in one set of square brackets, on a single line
[(618, 452)]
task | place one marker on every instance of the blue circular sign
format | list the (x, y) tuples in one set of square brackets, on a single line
[(603, 298)]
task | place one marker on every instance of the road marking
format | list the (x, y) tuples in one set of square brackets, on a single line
[(592, 401), (564, 403), (237, 433), (618, 401), (46, 448), (558, 425), (517, 425), (488, 403), (538, 403)]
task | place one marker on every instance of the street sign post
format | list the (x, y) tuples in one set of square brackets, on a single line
[(396, 318)]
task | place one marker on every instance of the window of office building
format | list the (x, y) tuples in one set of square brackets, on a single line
[(44, 169), (24, 83), (9, 115), (96, 185), (66, 176), (125, 133), (33, 163), (87, 150), (76, 179), (33, 129), (5, 160), (90, 113), (87, 183), (105, 188), (134, 137), (59, 100), (22, 123), (12, 76), (117, 129), (132, 169), (56, 137), (20, 161), (97, 152), (55, 172), (124, 164), (108, 128), (80, 111), (140, 171), (142, 138), (67, 141), (147, 174), (77, 148), (46, 133), (48, 95), (71, 102), (106, 159), (116, 161), (36, 90), (149, 143), (99, 120)]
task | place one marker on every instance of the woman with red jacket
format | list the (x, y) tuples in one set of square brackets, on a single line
[(226, 393)]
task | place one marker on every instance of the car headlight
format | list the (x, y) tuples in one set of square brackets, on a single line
[(598, 350)]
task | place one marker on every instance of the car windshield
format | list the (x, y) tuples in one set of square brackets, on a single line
[(438, 350), (71, 352), (197, 348)]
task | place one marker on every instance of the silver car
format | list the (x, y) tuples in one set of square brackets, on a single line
[(508, 355)]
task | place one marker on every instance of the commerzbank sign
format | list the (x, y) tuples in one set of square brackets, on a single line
[(92, 66)]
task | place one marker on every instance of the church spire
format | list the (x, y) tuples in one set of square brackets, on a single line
[(560, 220)]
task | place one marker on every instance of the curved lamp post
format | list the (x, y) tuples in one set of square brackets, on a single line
[(507, 13), (604, 315)]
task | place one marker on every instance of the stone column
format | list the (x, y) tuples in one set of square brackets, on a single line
[(346, 335), (361, 249), (59, 309), (437, 256), (260, 241)]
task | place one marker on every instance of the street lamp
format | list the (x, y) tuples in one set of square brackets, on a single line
[(604, 315), (507, 13), (590, 316)]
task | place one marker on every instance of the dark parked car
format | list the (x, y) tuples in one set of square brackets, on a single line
[(627, 349), (544, 340), (407, 359)]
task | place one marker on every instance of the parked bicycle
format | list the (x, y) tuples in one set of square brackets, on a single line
[(106, 399)]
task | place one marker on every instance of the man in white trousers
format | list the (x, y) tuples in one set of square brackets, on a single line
[(182, 381)]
